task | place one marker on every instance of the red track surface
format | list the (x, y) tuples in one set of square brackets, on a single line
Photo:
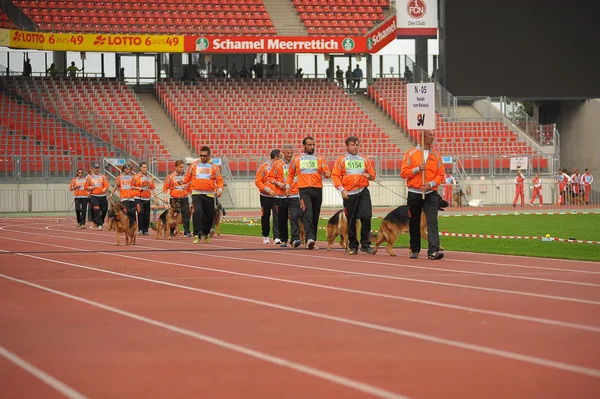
[(80, 317)]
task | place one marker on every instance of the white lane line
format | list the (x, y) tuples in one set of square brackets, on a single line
[(40, 374), (401, 332), (324, 375)]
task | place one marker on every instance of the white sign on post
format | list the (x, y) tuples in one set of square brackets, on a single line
[(420, 106)]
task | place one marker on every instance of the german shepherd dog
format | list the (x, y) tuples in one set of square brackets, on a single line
[(117, 219), (169, 220), (337, 225), (396, 223)]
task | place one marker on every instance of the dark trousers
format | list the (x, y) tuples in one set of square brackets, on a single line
[(143, 209), (131, 210), (429, 205), (268, 205), (204, 214), (358, 206), (100, 208), (310, 203), (288, 209), (184, 204), (81, 205)]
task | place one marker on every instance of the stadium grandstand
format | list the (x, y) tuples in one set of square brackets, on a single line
[(238, 95)]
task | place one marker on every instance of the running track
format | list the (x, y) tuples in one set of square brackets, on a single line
[(235, 318)]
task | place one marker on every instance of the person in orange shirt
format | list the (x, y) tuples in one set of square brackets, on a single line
[(97, 185), (519, 188), (268, 202), (127, 192), (178, 192), (288, 205), (205, 182), (144, 183), (82, 197), (351, 174), (422, 195), (310, 170)]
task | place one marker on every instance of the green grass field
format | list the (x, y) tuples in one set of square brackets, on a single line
[(580, 227)]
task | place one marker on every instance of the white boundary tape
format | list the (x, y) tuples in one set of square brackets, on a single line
[(446, 234)]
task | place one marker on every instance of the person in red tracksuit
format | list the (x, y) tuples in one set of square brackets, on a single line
[(449, 184), (519, 188), (586, 181), (562, 180), (537, 189)]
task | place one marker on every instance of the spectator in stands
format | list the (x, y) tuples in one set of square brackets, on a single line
[(329, 74), (537, 189), (586, 180), (350, 175), (519, 188), (205, 182), (122, 74), (357, 76), (422, 196), (178, 192), (268, 203), (562, 180), (299, 74), (27, 67), (72, 70), (52, 70), (288, 207), (449, 184), (97, 185), (233, 72), (144, 182), (244, 72), (221, 72), (309, 169), (127, 192), (349, 78), (339, 76), (82, 197), (408, 75)]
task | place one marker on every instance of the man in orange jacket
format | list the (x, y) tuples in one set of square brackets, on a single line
[(310, 170), (205, 182), (97, 185), (422, 195), (351, 174), (268, 200)]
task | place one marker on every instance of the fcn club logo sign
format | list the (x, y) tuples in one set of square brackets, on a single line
[(416, 8)]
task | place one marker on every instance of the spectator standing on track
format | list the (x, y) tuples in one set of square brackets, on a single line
[(82, 197), (519, 188)]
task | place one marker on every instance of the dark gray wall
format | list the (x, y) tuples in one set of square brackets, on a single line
[(523, 49)]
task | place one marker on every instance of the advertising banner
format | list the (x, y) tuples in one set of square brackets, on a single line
[(80, 42), (417, 18), (384, 34), (275, 44), (4, 37)]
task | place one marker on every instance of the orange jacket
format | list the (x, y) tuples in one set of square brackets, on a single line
[(175, 186), (145, 184), (261, 181), (97, 185), (279, 173), (204, 178), (125, 184), (348, 172), (78, 187), (434, 169), (308, 169)]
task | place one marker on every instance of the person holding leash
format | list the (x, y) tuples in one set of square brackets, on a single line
[(82, 197), (145, 184), (97, 185), (351, 174), (178, 192), (422, 194), (127, 192)]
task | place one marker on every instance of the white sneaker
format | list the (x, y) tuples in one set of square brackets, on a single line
[(310, 244), (99, 227), (266, 240), (277, 241)]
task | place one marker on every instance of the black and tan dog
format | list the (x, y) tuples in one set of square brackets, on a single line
[(338, 226), (118, 220), (396, 223), (169, 221), (219, 213)]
